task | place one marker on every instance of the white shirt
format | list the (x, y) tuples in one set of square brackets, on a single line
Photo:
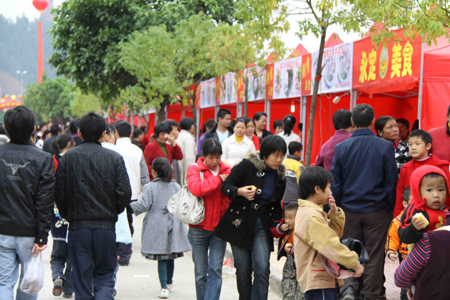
[(222, 136), (293, 137), (186, 141), (233, 152)]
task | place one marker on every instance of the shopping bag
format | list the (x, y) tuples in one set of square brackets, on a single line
[(33, 280)]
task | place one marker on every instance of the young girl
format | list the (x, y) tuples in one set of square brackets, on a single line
[(60, 260), (164, 237), (236, 147), (250, 133)]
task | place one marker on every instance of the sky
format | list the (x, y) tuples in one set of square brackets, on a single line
[(15, 8)]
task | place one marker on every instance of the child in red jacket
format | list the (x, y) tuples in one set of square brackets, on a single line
[(419, 147)]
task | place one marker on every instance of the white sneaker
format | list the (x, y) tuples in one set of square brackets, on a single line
[(170, 286), (164, 294)]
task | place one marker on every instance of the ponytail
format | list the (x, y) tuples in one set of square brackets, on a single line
[(61, 143), (289, 123)]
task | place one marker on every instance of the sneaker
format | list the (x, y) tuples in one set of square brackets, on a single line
[(348, 294), (164, 294), (67, 295), (170, 286), (57, 287)]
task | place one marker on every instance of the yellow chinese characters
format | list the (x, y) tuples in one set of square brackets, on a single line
[(407, 58), (372, 61), (363, 69), (396, 60)]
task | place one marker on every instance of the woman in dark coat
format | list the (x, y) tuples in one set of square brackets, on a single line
[(256, 187)]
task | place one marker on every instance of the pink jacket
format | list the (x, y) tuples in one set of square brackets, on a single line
[(215, 202)]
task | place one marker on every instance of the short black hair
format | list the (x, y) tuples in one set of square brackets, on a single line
[(222, 113), (92, 125), (258, 115), (172, 123), (272, 144), (163, 127), (161, 166), (277, 123), (424, 135), (289, 123), (248, 120), (435, 175), (19, 123), (342, 119), (110, 129), (61, 142), (407, 194), (209, 124), (55, 130), (312, 177), (381, 122), (137, 132), (123, 128), (211, 146), (294, 147), (404, 122), (238, 120), (363, 115), (186, 123), (74, 124), (291, 206)]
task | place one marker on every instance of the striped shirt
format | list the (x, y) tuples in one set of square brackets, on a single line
[(409, 269)]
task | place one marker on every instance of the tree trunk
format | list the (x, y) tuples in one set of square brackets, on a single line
[(245, 96), (161, 113), (113, 115), (194, 111), (312, 112)]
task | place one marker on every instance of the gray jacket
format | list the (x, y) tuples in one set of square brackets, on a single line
[(161, 232)]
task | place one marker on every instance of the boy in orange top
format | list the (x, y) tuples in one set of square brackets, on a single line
[(393, 243)]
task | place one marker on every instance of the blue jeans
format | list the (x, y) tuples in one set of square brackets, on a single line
[(256, 260), (165, 272), (14, 250), (208, 268), (321, 294)]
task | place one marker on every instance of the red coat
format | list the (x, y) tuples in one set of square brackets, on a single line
[(153, 151), (215, 202), (405, 177), (441, 143), (255, 140)]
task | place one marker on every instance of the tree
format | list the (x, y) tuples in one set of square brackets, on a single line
[(50, 99), (82, 104)]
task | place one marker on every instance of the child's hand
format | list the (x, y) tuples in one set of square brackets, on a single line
[(409, 294), (284, 227), (332, 203), (287, 249), (418, 223), (393, 256), (359, 271)]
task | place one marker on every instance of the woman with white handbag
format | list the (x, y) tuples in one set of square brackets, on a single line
[(204, 179)]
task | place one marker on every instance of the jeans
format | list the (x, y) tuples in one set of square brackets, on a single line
[(208, 266), (61, 265), (256, 260), (165, 272), (14, 250), (93, 253), (322, 294)]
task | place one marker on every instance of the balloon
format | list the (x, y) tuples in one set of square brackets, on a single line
[(6, 97), (40, 5), (13, 97)]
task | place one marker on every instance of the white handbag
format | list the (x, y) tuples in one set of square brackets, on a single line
[(187, 207)]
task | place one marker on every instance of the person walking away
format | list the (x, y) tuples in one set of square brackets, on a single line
[(317, 234), (164, 145), (137, 173), (92, 188), (221, 130), (256, 187), (208, 251), (164, 237), (61, 263), (236, 147), (365, 178), (294, 169), (288, 134), (420, 145), (206, 127), (260, 120), (24, 216), (441, 138), (343, 124), (395, 249), (250, 133), (175, 163), (74, 125), (137, 138), (186, 141), (55, 131)]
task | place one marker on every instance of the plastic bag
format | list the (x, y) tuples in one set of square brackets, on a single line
[(33, 280)]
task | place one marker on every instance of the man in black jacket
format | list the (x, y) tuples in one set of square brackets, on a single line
[(55, 131), (27, 184), (92, 188), (221, 130)]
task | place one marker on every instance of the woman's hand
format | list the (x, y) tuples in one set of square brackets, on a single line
[(247, 192)]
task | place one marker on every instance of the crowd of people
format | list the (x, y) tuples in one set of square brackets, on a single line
[(374, 183)]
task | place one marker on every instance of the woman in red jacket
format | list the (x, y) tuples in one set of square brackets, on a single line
[(251, 132), (208, 266)]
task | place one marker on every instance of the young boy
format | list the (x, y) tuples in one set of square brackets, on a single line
[(289, 285), (419, 147), (428, 207), (393, 243), (278, 126), (293, 170), (317, 233)]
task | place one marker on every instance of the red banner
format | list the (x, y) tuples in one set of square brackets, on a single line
[(391, 68), (10, 104), (306, 75), (269, 82)]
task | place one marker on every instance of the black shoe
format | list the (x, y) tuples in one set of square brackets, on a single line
[(57, 287), (67, 295), (348, 294), (382, 295), (403, 297)]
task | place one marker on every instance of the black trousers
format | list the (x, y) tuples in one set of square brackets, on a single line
[(93, 253), (61, 265), (371, 230)]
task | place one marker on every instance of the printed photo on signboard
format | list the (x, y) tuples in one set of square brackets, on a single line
[(288, 78), (255, 80), (228, 88), (208, 93)]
